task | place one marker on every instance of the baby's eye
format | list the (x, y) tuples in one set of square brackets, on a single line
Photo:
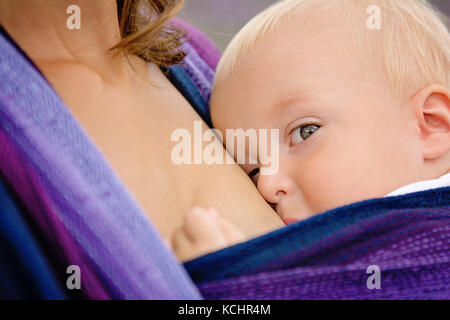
[(302, 133), (254, 175)]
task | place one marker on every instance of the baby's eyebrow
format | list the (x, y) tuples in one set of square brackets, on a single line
[(286, 104)]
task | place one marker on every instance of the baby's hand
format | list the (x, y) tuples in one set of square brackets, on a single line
[(203, 231)]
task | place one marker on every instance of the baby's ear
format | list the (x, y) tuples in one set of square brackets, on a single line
[(432, 111)]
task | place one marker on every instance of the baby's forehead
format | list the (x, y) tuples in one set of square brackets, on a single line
[(297, 39)]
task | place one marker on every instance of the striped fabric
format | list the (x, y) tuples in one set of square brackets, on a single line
[(327, 256), (25, 272)]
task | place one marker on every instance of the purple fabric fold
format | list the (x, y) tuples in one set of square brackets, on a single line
[(202, 44), (198, 71), (201, 59)]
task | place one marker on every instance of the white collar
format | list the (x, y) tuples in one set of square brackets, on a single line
[(443, 181)]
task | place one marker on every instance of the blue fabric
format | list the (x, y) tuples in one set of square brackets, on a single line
[(261, 253), (24, 271)]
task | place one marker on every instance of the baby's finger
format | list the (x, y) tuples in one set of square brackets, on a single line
[(201, 227), (231, 233)]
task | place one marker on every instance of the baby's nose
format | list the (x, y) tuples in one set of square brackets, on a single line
[(274, 187)]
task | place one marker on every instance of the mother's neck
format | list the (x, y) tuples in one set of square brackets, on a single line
[(39, 27)]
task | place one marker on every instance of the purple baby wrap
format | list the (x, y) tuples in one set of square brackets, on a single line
[(73, 196)]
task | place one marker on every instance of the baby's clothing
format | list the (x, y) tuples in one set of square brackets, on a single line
[(443, 181)]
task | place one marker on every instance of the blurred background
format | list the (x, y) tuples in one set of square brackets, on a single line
[(221, 19)]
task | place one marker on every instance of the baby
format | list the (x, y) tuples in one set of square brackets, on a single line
[(359, 91)]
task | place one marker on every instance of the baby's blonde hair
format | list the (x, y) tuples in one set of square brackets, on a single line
[(414, 38)]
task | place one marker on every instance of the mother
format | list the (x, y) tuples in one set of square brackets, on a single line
[(129, 110)]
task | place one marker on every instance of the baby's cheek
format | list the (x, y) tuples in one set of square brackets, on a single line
[(332, 179), (318, 185)]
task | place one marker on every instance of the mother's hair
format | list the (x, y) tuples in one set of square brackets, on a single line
[(146, 33)]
